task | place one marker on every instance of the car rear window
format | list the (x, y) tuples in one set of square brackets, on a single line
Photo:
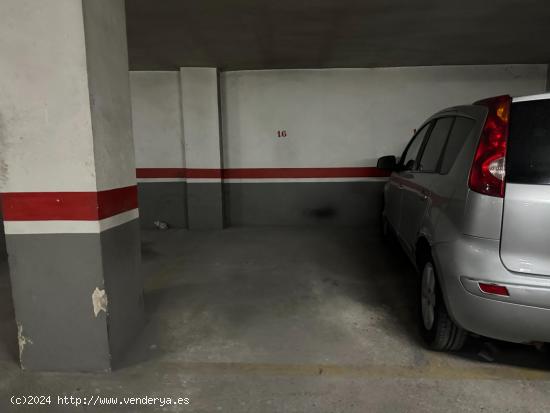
[(528, 154), (436, 142), (461, 129)]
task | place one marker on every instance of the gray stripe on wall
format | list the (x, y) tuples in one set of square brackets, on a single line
[(162, 201), (53, 277), (304, 203), (205, 205), (269, 204)]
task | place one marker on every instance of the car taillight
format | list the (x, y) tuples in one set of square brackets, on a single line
[(489, 166), (494, 289)]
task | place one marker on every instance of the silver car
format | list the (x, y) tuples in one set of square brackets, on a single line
[(469, 201)]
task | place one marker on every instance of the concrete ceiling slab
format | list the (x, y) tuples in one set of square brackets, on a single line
[(268, 34)]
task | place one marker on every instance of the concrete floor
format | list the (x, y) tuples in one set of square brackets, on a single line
[(286, 320)]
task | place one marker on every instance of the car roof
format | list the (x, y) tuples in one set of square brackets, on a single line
[(540, 96)]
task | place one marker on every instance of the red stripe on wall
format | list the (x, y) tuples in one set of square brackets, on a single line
[(263, 173), (161, 173), (117, 201), (204, 173), (77, 206), (178, 173)]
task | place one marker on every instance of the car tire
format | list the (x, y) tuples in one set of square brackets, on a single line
[(437, 328)]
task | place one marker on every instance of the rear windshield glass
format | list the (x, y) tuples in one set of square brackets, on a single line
[(528, 159)]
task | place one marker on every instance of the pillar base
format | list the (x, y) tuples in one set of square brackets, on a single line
[(78, 297)]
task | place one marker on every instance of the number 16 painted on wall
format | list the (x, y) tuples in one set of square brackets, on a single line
[(281, 133)]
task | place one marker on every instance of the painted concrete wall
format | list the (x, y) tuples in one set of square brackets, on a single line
[(176, 126), (348, 117), (337, 118), (333, 118), (201, 128), (158, 140), (201, 134), (156, 114)]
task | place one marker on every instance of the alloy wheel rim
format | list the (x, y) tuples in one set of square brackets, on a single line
[(428, 296)]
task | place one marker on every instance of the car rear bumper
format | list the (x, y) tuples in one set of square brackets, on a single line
[(523, 316)]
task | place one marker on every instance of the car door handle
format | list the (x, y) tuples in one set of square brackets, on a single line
[(400, 186), (426, 194)]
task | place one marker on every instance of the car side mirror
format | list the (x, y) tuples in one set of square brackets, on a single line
[(387, 162)]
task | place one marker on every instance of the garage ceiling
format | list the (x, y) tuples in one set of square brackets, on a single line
[(265, 34)]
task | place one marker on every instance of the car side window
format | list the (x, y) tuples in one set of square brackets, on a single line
[(461, 129), (429, 160), (410, 156)]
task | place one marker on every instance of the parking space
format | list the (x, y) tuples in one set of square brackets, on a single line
[(274, 206), (282, 319)]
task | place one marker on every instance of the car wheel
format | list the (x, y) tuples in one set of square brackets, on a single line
[(437, 328)]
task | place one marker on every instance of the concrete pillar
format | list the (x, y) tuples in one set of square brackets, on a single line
[(158, 140), (68, 182), (201, 134)]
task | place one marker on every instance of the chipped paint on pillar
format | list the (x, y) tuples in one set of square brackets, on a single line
[(99, 301), (23, 341)]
